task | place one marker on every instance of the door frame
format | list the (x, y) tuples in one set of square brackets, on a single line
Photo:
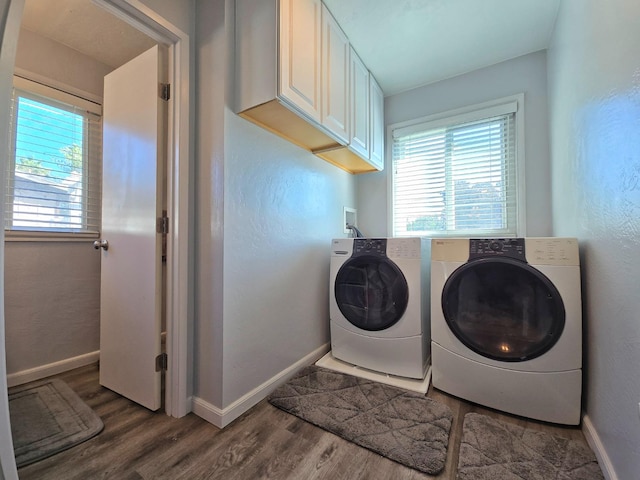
[(178, 299), (10, 18)]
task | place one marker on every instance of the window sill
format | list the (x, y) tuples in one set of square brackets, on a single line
[(19, 236)]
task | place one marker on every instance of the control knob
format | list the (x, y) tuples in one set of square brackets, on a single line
[(495, 246)]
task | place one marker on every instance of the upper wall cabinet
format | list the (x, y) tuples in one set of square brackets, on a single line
[(300, 55), (376, 154), (335, 77), (294, 77), (366, 123), (360, 107)]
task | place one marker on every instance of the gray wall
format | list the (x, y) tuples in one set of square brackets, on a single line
[(52, 289), (54, 62), (52, 298), (526, 74), (266, 212), (179, 13), (594, 98)]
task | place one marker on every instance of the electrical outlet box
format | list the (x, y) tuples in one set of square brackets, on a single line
[(350, 217)]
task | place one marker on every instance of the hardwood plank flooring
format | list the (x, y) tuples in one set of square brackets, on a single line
[(264, 443)]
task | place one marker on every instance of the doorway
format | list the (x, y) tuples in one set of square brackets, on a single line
[(176, 302), (178, 273)]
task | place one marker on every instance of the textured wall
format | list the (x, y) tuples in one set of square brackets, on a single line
[(526, 74), (52, 61), (282, 208), (594, 97), (179, 13), (52, 302), (266, 212)]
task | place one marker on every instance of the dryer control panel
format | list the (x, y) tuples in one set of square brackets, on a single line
[(370, 246), (492, 247)]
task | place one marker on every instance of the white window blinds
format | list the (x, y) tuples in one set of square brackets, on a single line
[(54, 168), (456, 176)]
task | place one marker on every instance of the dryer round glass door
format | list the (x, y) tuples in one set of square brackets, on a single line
[(371, 292), (503, 309)]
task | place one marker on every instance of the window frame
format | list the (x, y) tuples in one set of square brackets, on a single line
[(35, 90), (470, 113)]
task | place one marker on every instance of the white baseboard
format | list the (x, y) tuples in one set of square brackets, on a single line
[(43, 371), (593, 439), (223, 417)]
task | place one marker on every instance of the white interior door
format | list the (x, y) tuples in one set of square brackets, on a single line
[(132, 201)]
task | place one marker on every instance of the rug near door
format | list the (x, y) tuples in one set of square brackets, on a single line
[(404, 426), (48, 417), (495, 450)]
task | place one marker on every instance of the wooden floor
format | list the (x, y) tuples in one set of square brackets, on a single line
[(265, 443)]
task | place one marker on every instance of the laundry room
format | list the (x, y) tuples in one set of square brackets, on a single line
[(252, 292)]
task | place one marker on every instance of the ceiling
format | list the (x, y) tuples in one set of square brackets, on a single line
[(86, 28), (409, 43), (405, 43)]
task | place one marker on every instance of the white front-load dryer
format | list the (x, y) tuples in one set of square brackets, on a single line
[(378, 305), (506, 324)]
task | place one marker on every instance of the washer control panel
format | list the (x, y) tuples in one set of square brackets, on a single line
[(407, 247), (494, 247), (553, 251), (370, 246)]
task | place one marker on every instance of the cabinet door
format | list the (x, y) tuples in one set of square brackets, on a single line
[(377, 124), (300, 37), (335, 77), (359, 91)]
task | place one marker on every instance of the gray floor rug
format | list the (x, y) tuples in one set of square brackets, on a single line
[(48, 417), (404, 426), (495, 450)]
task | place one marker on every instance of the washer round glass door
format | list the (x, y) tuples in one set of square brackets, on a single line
[(503, 309), (371, 292)]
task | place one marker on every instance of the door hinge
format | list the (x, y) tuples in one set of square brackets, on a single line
[(162, 225), (161, 362), (165, 91)]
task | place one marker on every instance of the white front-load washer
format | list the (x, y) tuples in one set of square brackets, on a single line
[(378, 304), (506, 324)]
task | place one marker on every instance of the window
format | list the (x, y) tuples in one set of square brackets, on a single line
[(458, 174), (55, 162)]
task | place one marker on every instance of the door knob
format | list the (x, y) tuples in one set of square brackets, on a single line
[(98, 244)]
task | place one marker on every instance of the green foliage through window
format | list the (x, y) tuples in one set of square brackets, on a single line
[(455, 178), (54, 176)]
